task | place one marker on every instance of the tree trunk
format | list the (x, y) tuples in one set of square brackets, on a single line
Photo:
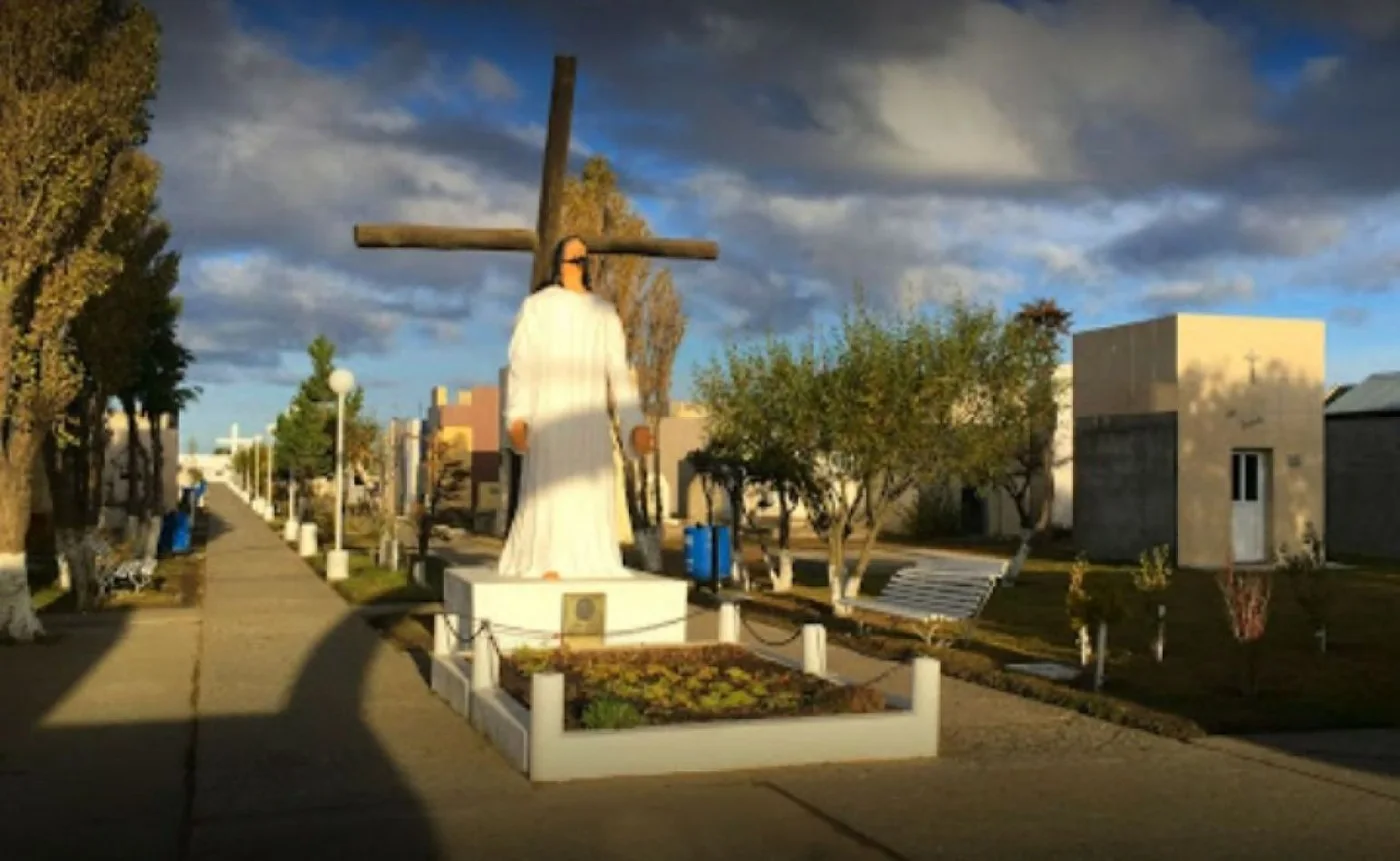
[(851, 588), (1018, 561), (17, 618), (67, 468), (782, 582), (157, 487), (836, 565), (660, 520), (133, 467)]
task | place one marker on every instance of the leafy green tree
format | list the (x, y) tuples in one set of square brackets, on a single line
[(107, 338), (306, 431), (875, 408), (751, 398), (75, 80), (1029, 403), (162, 387)]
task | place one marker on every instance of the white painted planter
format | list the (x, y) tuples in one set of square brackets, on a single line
[(535, 742), (306, 540), (17, 618), (290, 530), (337, 565)]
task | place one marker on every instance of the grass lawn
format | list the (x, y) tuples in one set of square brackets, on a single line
[(1196, 690), (369, 585)]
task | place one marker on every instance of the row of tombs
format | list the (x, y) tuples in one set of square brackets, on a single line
[(1213, 434)]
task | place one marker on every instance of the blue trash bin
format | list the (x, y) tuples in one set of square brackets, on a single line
[(698, 555), (167, 534), (182, 532)]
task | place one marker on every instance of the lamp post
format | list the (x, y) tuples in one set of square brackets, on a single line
[(291, 529), (337, 560), (269, 514)]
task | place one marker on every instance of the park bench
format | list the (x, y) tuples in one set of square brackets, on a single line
[(135, 574), (929, 599), (963, 566)]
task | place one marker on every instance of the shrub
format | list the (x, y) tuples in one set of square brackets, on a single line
[(1154, 571), (1247, 595), (1311, 580), (611, 713), (1094, 596), (936, 514)]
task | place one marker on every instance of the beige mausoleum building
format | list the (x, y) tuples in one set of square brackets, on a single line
[(1204, 432)]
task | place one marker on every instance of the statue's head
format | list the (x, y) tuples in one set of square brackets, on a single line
[(571, 263)]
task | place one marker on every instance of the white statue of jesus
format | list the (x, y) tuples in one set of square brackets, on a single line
[(566, 353)]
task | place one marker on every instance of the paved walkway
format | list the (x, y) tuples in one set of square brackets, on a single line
[(272, 722)]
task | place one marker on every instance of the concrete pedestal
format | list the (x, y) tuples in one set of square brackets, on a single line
[(639, 609), (290, 530), (337, 565), (306, 540)]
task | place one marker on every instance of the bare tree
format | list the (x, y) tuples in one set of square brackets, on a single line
[(653, 323)]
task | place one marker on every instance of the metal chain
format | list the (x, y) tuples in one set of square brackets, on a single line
[(881, 676), (487, 627), (748, 626)]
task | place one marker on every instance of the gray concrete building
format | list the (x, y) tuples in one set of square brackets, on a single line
[(1363, 469)]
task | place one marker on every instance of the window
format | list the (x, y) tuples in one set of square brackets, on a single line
[(1245, 467)]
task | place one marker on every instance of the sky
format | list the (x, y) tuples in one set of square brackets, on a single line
[(1129, 158)]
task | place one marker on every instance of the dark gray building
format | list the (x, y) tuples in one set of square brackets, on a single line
[(1363, 469)]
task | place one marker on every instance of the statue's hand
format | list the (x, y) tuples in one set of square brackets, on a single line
[(520, 435), (642, 442)]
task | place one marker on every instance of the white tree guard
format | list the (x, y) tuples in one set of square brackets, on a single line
[(18, 620)]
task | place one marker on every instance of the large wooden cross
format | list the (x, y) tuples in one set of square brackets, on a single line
[(542, 239)]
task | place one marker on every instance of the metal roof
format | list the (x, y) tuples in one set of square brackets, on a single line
[(1376, 394)]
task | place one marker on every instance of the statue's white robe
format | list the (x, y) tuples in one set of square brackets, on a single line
[(567, 353)]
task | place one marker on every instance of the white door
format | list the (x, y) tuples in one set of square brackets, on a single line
[(1249, 508)]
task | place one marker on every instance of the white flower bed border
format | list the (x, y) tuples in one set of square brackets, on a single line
[(535, 742)]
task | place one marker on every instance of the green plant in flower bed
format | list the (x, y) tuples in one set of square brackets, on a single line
[(619, 688)]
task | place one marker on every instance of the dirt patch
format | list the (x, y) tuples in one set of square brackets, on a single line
[(618, 688)]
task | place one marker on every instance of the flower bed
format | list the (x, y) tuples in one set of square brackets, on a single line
[(621, 688)]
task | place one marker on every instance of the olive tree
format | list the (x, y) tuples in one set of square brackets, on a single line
[(871, 410), (751, 396)]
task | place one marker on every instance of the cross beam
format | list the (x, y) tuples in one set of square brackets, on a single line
[(540, 241), (431, 238)]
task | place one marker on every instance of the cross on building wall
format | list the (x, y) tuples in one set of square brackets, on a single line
[(540, 241), (1251, 357)]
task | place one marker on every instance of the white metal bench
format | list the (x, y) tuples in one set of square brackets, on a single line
[(963, 566), (929, 599), (135, 574)]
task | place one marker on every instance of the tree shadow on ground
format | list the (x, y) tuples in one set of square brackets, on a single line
[(100, 755)]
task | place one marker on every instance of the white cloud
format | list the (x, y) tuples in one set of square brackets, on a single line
[(1198, 294), (490, 81)]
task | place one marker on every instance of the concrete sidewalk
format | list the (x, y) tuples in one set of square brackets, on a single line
[(274, 723)]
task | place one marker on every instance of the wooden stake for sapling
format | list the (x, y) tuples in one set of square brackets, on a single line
[(1101, 649), (1159, 646), (1085, 652)]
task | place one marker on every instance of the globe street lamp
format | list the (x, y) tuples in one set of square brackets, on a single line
[(269, 515), (337, 560)]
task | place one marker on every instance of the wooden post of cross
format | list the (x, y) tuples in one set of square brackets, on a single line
[(542, 239)]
